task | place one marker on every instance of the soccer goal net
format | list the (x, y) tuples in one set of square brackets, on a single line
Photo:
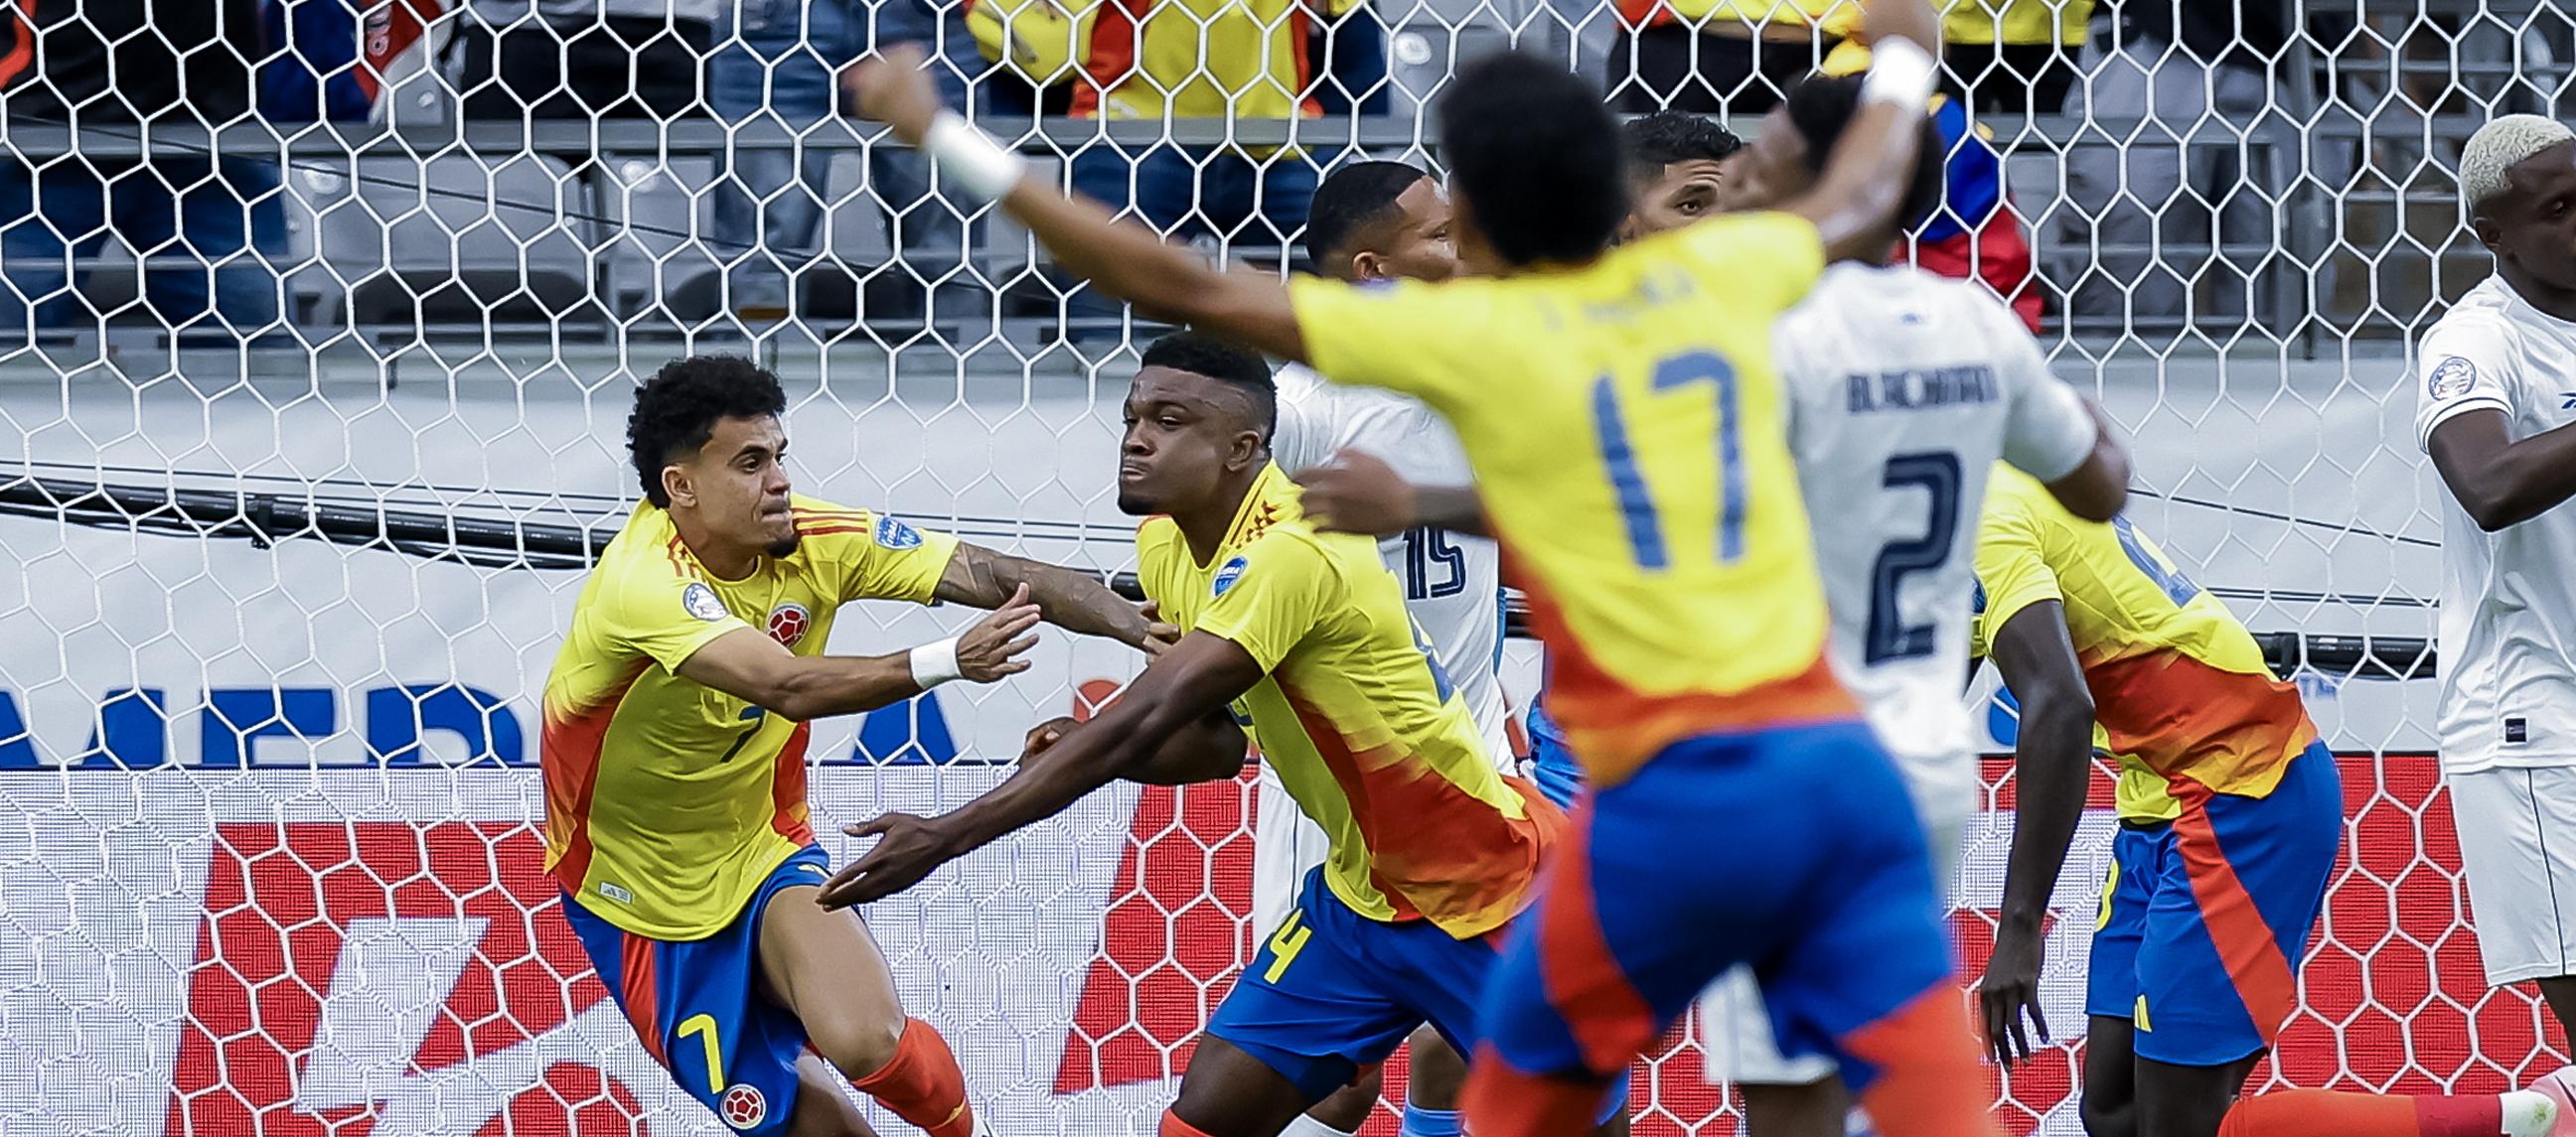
[(312, 412)]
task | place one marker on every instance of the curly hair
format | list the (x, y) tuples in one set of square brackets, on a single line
[(677, 409), (2499, 146), (1535, 157)]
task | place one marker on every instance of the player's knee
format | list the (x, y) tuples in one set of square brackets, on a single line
[(857, 1048), (1439, 1073)]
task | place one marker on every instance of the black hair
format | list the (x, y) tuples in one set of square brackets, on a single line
[(676, 411), (1353, 197), (1820, 108), (1215, 359), (1668, 136), (1535, 158)]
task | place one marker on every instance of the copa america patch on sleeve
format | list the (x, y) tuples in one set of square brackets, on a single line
[(894, 534), (1227, 574), (701, 602), (2453, 377)]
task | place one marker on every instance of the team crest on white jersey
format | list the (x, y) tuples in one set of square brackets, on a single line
[(787, 623), (701, 601), (2453, 377), (1227, 574), (894, 534)]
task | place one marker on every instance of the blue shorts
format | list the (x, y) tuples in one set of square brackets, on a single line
[(1552, 763), (697, 1005), (1794, 850), (2206, 918), (1331, 992)]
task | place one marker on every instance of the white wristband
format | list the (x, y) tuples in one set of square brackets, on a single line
[(970, 158), (1900, 72), (935, 663)]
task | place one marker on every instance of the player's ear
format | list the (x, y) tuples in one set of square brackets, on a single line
[(1367, 265), (2489, 234), (1251, 448), (677, 486)]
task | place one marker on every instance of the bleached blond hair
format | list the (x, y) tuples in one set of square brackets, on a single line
[(2496, 147)]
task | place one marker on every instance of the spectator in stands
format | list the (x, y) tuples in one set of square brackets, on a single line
[(2198, 71), (781, 66), (584, 59), (205, 231), (2013, 55), (1721, 57), (1204, 59), (1975, 234)]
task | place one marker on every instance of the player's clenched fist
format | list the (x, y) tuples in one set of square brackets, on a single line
[(893, 89), (1356, 493), (991, 649)]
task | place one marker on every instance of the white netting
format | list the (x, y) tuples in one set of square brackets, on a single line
[(264, 856)]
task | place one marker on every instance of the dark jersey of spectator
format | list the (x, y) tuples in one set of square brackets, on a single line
[(122, 60), (2231, 33)]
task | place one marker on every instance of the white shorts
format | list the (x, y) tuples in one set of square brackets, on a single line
[(1286, 845), (1735, 1028), (2518, 845)]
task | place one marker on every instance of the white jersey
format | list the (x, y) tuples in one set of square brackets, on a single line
[(1452, 582), (1904, 389), (2508, 626)]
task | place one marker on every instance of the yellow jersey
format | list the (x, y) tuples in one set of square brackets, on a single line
[(2180, 689), (668, 802), (1630, 438), (1355, 716)]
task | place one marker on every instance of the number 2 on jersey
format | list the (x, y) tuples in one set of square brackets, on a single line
[(1889, 636), (1636, 502)]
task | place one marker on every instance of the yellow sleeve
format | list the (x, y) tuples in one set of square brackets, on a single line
[(2011, 572), (1770, 259), (892, 561), (655, 611), (1270, 595), (1413, 338)]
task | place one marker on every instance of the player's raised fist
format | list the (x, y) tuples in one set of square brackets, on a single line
[(1903, 19), (992, 648), (892, 88), (1355, 493)]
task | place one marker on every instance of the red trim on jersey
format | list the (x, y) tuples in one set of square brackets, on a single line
[(1614, 728), (678, 552), (2182, 716), (791, 817), (23, 52), (639, 978), (568, 763), (827, 528), (1345, 768), (2245, 943)]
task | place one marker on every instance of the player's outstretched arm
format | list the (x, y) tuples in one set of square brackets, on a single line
[(1178, 693), (1354, 492), (750, 666), (2052, 763), (1122, 258), (2497, 480), (1865, 178), (1074, 601), (2099, 488)]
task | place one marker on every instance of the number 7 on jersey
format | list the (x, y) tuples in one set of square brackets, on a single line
[(1636, 500)]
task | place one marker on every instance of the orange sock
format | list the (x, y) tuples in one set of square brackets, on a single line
[(1503, 1102), (1928, 1080), (2326, 1113), (1173, 1126), (922, 1084)]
